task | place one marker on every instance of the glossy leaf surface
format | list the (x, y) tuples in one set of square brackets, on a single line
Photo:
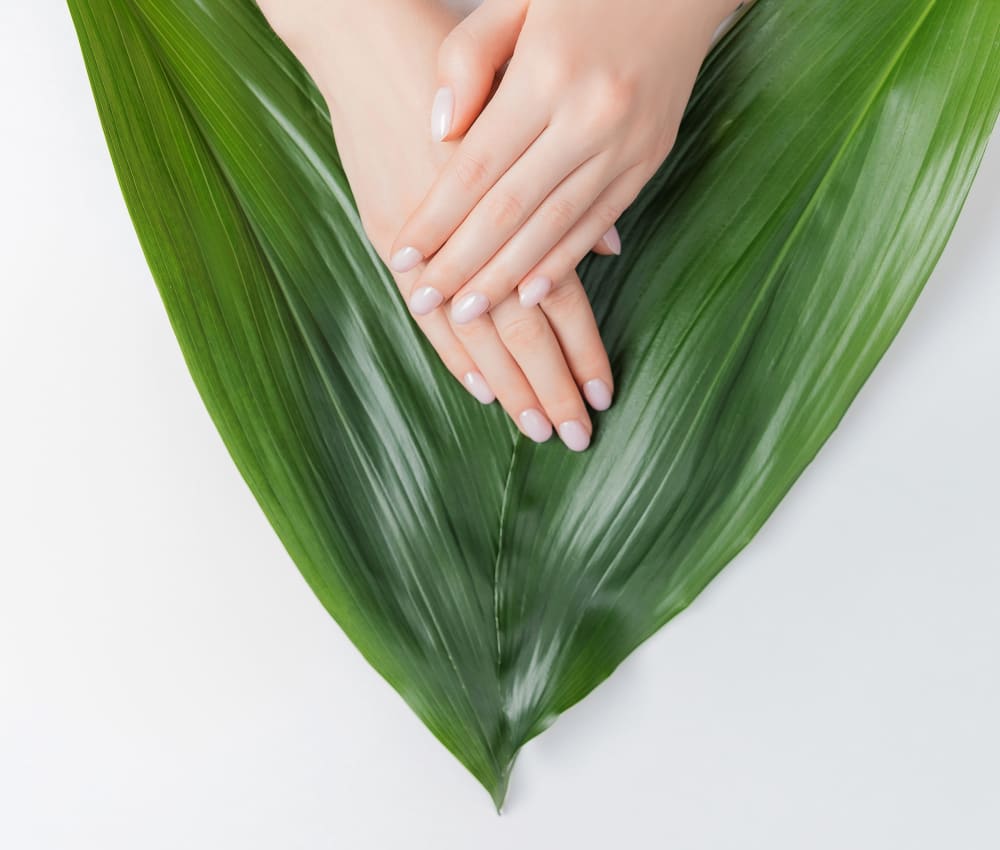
[(822, 164)]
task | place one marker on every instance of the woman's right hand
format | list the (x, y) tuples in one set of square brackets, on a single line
[(540, 361)]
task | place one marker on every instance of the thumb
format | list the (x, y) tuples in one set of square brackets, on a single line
[(468, 62)]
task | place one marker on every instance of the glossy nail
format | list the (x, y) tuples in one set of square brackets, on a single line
[(574, 435), (613, 241), (535, 425), (442, 114), (478, 388), (424, 300), (534, 291), (598, 394), (405, 260), (469, 307)]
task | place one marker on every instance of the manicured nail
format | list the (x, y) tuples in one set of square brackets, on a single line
[(443, 113), (574, 435), (469, 307), (424, 300), (535, 425), (598, 394), (613, 241), (478, 388), (534, 291), (406, 260)]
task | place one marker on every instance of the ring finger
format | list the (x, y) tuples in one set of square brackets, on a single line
[(504, 376), (531, 341)]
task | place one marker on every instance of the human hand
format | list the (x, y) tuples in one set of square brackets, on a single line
[(585, 114), (536, 360)]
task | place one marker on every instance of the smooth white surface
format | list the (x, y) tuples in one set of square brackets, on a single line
[(168, 681)]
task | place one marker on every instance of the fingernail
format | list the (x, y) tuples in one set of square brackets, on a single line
[(469, 307), (613, 241), (478, 388), (424, 300), (534, 291), (574, 435), (442, 113), (598, 394), (406, 260), (535, 425)]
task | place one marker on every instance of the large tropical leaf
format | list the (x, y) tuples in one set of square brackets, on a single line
[(822, 164)]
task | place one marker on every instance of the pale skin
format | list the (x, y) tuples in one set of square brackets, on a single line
[(484, 215)]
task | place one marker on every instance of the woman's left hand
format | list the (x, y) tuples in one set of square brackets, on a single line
[(585, 114)]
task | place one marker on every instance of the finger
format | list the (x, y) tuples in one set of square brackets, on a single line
[(568, 310), (567, 254), (549, 224), (504, 376), (504, 132), (468, 63), (456, 359), (499, 216), (530, 339)]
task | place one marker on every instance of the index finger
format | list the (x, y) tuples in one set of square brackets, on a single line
[(496, 141)]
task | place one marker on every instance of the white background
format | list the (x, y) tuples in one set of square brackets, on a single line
[(168, 681)]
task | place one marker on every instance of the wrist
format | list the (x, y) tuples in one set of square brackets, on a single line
[(347, 45), (333, 36)]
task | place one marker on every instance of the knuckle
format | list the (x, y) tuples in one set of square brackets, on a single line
[(610, 95), (505, 210), (556, 70), (523, 331), (471, 172), (566, 298), (472, 332), (561, 213), (607, 213)]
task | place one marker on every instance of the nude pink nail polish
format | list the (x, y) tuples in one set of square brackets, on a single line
[(442, 113), (469, 307), (534, 291), (598, 394), (535, 425), (613, 241), (424, 300), (405, 260), (476, 384), (574, 435)]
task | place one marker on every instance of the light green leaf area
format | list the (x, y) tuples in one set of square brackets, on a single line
[(821, 167)]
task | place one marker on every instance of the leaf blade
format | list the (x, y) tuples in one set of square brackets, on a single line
[(480, 584)]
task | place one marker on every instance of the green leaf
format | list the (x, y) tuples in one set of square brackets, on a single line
[(822, 164)]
